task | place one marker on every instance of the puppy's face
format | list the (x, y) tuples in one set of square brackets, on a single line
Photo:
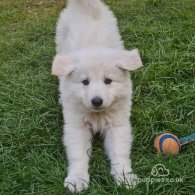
[(97, 78), (98, 83)]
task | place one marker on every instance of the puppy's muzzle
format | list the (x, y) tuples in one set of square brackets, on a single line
[(97, 102)]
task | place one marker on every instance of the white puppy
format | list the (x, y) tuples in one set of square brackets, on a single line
[(95, 89)]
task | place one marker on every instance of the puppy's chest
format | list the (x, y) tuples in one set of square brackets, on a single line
[(97, 122)]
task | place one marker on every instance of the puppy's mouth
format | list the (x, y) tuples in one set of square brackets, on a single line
[(100, 109)]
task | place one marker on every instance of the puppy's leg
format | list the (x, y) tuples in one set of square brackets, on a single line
[(78, 143), (118, 145)]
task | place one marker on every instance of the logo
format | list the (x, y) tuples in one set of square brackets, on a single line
[(160, 174), (159, 170)]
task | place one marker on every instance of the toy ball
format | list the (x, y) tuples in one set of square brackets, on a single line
[(167, 143)]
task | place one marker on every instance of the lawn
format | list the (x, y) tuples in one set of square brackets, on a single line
[(32, 158)]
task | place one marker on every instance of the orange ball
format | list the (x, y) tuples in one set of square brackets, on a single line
[(167, 143)]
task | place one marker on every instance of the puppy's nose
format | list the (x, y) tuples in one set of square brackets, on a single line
[(97, 101)]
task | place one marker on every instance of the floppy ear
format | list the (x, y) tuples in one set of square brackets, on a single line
[(62, 65), (129, 60)]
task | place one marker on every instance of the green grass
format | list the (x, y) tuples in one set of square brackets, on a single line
[(32, 158)]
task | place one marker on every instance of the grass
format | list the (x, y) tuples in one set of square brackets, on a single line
[(32, 158)]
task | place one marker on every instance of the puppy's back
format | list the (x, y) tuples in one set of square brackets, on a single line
[(85, 24)]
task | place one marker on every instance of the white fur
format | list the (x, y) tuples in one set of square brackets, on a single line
[(89, 47)]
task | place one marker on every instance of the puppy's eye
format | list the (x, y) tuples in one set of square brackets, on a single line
[(85, 82), (107, 81)]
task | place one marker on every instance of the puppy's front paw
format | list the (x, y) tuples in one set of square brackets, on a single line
[(76, 183), (130, 180)]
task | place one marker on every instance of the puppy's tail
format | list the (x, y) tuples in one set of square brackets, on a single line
[(91, 7)]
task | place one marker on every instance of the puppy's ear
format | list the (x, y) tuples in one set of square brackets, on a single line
[(62, 65), (129, 60)]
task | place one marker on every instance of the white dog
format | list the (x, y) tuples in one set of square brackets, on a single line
[(95, 88)]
